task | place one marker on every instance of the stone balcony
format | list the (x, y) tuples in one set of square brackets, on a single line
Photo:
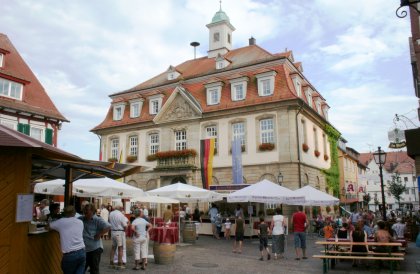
[(178, 162)]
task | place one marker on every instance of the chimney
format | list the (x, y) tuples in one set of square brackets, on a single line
[(252, 41)]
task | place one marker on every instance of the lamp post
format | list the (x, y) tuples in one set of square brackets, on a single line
[(280, 178), (380, 158)]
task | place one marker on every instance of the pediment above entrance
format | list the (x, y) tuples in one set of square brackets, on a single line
[(180, 106)]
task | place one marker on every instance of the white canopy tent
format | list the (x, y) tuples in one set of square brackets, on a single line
[(96, 187), (186, 193), (265, 192), (149, 198), (315, 197)]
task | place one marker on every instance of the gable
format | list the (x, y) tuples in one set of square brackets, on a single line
[(180, 106)]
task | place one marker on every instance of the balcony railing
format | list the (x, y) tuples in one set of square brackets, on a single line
[(176, 162)]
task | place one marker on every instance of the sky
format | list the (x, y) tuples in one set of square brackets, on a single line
[(355, 53)]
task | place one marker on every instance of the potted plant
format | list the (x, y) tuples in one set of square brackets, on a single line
[(131, 158), (151, 157), (305, 147), (112, 159), (326, 157), (266, 146), (317, 153)]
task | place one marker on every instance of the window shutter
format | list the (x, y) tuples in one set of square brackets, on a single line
[(48, 136), (24, 128)]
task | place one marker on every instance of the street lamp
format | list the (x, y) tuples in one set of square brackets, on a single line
[(280, 178), (380, 158)]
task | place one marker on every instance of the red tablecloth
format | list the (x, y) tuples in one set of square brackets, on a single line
[(256, 224), (168, 235), (155, 220)]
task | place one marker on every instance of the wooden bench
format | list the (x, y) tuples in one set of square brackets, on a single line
[(334, 254)]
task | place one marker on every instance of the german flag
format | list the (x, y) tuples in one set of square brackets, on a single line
[(206, 160)]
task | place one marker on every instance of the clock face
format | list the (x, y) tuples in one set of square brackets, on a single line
[(216, 37)]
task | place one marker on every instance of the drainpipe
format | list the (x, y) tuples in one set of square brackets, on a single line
[(298, 143), (100, 147)]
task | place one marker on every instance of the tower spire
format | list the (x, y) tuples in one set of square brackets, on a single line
[(220, 4)]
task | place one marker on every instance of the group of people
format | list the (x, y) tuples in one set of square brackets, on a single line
[(81, 237)]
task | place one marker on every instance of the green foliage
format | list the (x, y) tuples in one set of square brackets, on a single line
[(366, 198), (396, 187), (333, 173)]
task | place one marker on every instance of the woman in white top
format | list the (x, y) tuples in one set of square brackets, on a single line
[(278, 225)]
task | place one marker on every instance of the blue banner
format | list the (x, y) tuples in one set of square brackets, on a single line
[(237, 162)]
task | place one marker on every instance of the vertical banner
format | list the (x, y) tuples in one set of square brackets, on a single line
[(237, 161), (206, 161)]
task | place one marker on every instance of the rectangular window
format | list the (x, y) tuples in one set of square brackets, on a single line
[(267, 131), (180, 140), (118, 112), (9, 124), (135, 110), (153, 143), (214, 96), (115, 143), (1, 59), (211, 132), (324, 143), (305, 134), (266, 89), (11, 89), (238, 130), (36, 133), (133, 145), (413, 191), (239, 92), (316, 139), (155, 106)]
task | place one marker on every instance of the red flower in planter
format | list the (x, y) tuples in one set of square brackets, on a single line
[(131, 158), (326, 157), (317, 153), (266, 146), (305, 147)]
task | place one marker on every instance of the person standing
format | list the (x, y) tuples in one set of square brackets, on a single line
[(105, 216), (263, 231), (71, 241), (239, 235), (44, 208), (300, 221), (239, 211), (399, 228), (141, 229), (94, 228), (168, 214), (145, 212), (118, 225), (196, 217), (277, 227), (213, 218)]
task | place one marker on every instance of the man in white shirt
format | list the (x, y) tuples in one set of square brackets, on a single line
[(399, 228), (145, 212), (71, 240), (118, 224)]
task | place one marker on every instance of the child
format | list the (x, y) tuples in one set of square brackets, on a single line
[(227, 228), (263, 231), (328, 230)]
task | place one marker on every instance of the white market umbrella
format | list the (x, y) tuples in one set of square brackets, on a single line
[(186, 193), (265, 192), (315, 197), (96, 187), (149, 198)]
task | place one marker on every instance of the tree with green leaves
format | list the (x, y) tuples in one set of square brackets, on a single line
[(397, 188), (366, 199)]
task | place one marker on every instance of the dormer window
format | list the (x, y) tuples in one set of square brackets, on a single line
[(155, 104), (10, 89), (318, 105), (221, 62), (172, 73), (1, 59), (118, 111), (266, 83), (238, 88), (309, 96), (214, 91), (135, 108), (298, 86), (325, 109)]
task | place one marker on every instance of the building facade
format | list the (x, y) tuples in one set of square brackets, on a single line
[(248, 93), (24, 104)]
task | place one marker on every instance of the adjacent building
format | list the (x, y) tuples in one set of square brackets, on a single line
[(261, 98), (24, 104)]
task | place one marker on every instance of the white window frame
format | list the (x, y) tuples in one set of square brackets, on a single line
[(267, 130), (10, 87), (213, 89), (155, 104), (133, 105), (9, 124), (238, 131), (118, 112), (308, 94), (1, 59), (133, 145), (234, 84), (263, 79), (41, 136), (180, 139), (115, 148), (298, 86), (211, 132), (325, 111), (154, 143)]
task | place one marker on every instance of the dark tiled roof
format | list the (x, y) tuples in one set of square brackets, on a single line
[(35, 100), (396, 161)]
